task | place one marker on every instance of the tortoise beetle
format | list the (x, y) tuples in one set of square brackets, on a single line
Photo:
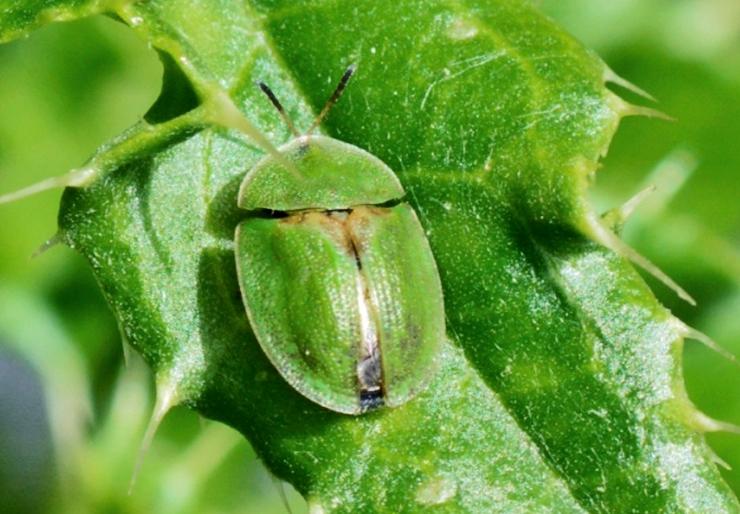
[(336, 274)]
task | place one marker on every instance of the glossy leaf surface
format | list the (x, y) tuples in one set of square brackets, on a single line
[(560, 388)]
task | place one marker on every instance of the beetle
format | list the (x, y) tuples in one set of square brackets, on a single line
[(336, 274)]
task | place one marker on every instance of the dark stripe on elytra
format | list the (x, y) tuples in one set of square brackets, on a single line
[(370, 399)]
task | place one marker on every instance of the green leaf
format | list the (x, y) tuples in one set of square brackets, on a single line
[(20, 16), (560, 387)]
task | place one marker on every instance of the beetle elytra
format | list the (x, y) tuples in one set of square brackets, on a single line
[(336, 274)]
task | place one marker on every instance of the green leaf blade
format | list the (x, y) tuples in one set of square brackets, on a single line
[(560, 387)]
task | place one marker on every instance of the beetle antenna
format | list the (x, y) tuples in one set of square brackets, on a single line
[(266, 90), (334, 97)]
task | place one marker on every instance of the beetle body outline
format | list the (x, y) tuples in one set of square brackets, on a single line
[(337, 277)]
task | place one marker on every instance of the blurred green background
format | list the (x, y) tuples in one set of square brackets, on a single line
[(72, 415)]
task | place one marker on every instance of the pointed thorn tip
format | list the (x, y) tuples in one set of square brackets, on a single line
[(166, 399), (603, 235), (696, 335), (612, 77), (47, 245), (75, 178)]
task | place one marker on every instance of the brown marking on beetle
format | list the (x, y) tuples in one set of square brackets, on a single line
[(370, 365), (369, 355)]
